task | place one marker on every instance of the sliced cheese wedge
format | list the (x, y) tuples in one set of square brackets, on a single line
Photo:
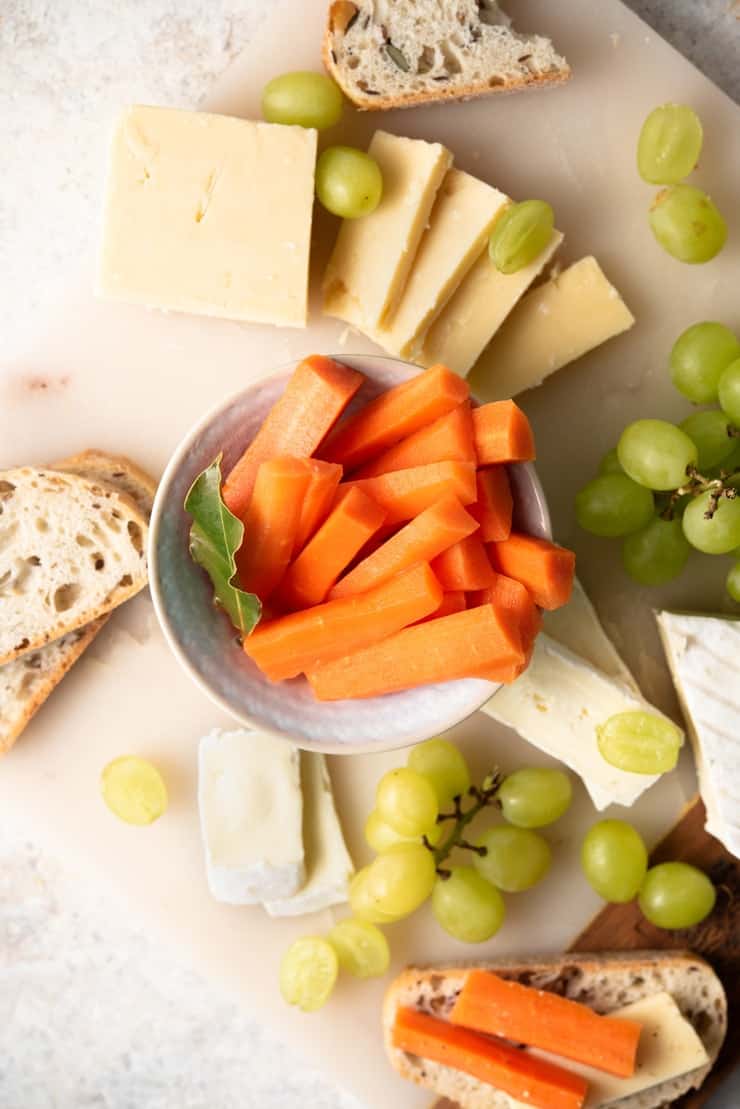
[(462, 217), (703, 653), (477, 310), (552, 325), (577, 627), (556, 705), (328, 864), (372, 257), (251, 811)]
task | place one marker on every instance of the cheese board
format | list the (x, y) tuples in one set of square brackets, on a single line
[(127, 380)]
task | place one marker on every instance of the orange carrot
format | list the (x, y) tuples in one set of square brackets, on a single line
[(544, 568), (314, 399), (523, 1076), (285, 647), (464, 566), (494, 506), (509, 594), (502, 433), (345, 531), (454, 601), (406, 493), (270, 524), (324, 477), (394, 415), (538, 1018), (448, 439), (424, 537), (437, 651)]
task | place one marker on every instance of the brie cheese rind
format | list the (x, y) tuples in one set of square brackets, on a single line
[(251, 812), (703, 654), (556, 705)]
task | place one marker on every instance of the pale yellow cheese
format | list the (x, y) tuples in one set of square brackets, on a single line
[(209, 214), (373, 255), (552, 325), (462, 217), (477, 310)]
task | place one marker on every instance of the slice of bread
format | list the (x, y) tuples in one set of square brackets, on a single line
[(604, 982), (397, 53), (26, 682), (70, 551)]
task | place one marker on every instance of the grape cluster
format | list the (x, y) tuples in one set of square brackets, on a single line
[(667, 488), (684, 219)]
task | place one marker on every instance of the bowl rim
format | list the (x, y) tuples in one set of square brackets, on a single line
[(174, 463)]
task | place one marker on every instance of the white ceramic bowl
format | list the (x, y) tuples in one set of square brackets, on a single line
[(204, 641)]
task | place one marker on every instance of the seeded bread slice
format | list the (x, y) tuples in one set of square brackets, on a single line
[(397, 53), (604, 982)]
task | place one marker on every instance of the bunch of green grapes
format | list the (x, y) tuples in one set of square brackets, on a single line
[(670, 895), (666, 488), (684, 219)]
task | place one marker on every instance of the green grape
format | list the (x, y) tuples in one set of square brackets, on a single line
[(676, 895), (687, 224), (521, 233), (610, 463), (732, 583), (669, 144), (134, 790), (729, 391), (656, 554), (361, 948), (718, 535), (348, 182), (363, 901), (516, 858), (699, 357), (407, 801), (444, 766), (380, 836), (709, 432), (535, 796), (397, 882), (639, 742), (308, 973), (656, 454), (614, 859), (613, 505), (305, 99), (467, 906)]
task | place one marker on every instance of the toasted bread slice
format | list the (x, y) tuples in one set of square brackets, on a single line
[(395, 55), (604, 982)]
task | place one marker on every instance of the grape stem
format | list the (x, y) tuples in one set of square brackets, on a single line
[(482, 798), (717, 488)]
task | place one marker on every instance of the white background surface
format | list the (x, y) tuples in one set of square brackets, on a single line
[(92, 1014)]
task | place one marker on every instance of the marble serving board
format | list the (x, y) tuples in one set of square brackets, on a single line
[(128, 380)]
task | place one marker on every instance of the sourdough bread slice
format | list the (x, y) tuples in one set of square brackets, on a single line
[(26, 682), (604, 982), (397, 53), (70, 551)]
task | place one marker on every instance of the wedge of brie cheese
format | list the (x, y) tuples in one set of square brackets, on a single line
[(328, 865), (703, 654), (556, 705), (251, 813)]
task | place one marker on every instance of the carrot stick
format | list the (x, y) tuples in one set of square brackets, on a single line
[(545, 1020), (270, 524), (465, 565), (406, 493), (509, 594), (324, 477), (494, 506), (525, 1077), (545, 569), (424, 537), (452, 602), (502, 433), (437, 651), (394, 415), (345, 531), (285, 647), (314, 399), (448, 439)]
